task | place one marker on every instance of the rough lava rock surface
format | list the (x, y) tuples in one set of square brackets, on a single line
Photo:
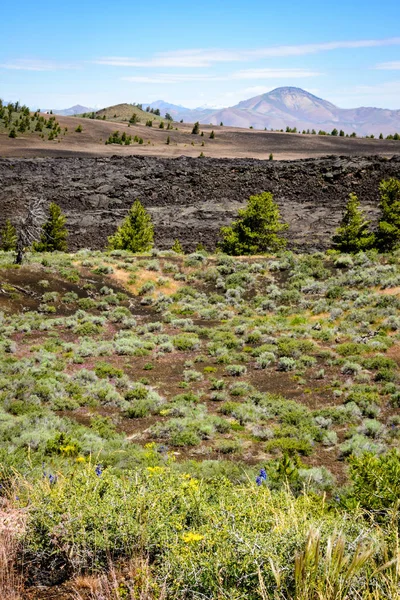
[(191, 198)]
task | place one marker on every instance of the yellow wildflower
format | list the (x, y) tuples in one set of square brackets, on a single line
[(191, 537), (155, 470)]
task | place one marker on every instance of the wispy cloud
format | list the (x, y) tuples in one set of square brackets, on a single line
[(389, 66), (201, 57), (258, 74), (28, 64), (273, 74)]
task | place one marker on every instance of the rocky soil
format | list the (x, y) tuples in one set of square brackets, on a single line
[(191, 198)]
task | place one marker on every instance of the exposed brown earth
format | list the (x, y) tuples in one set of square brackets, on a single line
[(190, 199), (229, 142)]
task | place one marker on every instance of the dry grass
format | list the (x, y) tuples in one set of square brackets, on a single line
[(143, 276), (134, 582), (11, 585), (12, 525)]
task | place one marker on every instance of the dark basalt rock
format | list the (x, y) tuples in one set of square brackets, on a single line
[(191, 198)]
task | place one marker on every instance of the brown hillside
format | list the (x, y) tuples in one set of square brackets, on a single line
[(229, 142)]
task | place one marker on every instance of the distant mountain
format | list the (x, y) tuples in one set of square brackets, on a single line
[(178, 112), (282, 107), (294, 107), (74, 110)]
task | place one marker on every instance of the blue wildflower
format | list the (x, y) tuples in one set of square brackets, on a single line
[(52, 479), (263, 474), (262, 477), (99, 470)]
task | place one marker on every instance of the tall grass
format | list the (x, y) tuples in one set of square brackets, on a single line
[(10, 579)]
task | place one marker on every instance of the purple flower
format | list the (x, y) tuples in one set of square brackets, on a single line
[(262, 477), (52, 479), (99, 470)]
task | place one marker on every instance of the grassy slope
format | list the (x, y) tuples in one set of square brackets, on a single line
[(141, 363)]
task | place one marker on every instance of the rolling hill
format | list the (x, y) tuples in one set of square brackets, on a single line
[(123, 112)]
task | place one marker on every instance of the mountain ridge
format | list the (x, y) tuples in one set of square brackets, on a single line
[(295, 107), (280, 108)]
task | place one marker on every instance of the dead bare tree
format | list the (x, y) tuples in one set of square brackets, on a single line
[(30, 227)]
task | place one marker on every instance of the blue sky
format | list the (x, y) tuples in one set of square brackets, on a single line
[(215, 53)]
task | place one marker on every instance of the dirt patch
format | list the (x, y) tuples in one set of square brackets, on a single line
[(143, 276), (395, 291)]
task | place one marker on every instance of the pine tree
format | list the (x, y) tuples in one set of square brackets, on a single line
[(353, 234), (196, 128), (212, 135), (135, 233), (54, 233), (257, 228), (388, 235), (176, 247), (8, 237)]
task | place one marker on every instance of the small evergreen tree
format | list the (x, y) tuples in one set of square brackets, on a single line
[(196, 128), (212, 135), (8, 237), (136, 232), (388, 235), (271, 156), (353, 234), (54, 233), (257, 228), (134, 119), (176, 247)]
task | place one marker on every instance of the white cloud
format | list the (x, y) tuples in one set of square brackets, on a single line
[(389, 66), (273, 74), (170, 78), (201, 57), (259, 74), (28, 64)]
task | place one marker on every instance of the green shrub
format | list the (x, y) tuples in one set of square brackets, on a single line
[(290, 445), (186, 342), (375, 480)]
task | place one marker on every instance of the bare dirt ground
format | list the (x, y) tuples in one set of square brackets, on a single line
[(229, 142)]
